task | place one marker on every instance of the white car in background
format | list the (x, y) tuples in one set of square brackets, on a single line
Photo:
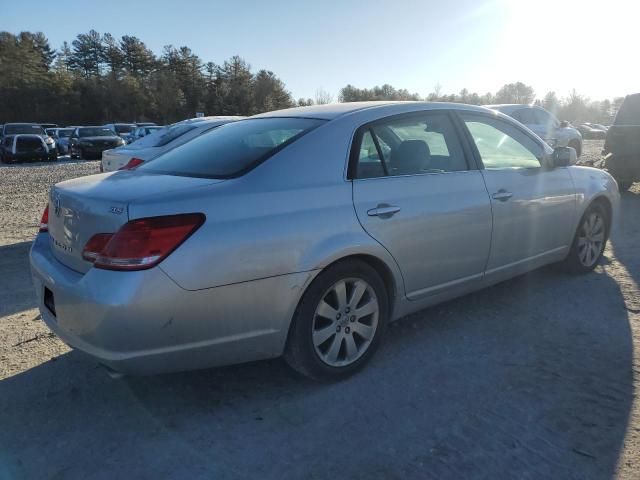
[(544, 124), (152, 145)]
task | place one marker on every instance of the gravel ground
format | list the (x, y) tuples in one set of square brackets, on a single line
[(533, 378)]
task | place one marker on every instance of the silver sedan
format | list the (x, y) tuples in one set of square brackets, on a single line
[(304, 232)]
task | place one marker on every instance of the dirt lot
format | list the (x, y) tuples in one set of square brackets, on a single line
[(534, 378)]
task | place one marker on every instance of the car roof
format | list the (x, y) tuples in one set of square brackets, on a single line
[(207, 120), (335, 110), (510, 107)]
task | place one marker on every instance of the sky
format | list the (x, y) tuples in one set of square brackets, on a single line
[(480, 45)]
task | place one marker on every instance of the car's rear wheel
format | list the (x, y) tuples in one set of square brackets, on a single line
[(339, 322), (576, 146), (589, 241)]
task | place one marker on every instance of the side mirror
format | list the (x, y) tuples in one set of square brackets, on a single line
[(564, 156), (564, 124)]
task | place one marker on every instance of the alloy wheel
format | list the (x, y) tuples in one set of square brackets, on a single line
[(591, 239), (345, 322)]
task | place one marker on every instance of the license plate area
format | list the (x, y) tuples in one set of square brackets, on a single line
[(49, 302)]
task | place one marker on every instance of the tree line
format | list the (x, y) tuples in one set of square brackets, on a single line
[(101, 79), (98, 79), (575, 107)]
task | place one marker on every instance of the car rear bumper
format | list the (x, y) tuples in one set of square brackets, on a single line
[(143, 322)]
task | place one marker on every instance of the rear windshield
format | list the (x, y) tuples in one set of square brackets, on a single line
[(18, 129), (95, 132), (65, 133), (629, 113), (231, 149), (124, 128)]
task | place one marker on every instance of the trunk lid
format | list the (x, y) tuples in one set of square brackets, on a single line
[(83, 207)]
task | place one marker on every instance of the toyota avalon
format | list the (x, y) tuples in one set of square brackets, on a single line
[(304, 232)]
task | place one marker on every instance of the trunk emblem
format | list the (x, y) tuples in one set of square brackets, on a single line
[(116, 210)]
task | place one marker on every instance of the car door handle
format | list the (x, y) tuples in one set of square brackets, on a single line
[(383, 210), (502, 195)]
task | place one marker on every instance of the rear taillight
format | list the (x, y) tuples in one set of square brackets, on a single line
[(44, 221), (95, 246), (133, 163), (142, 243)]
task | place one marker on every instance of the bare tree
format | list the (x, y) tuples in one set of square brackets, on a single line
[(323, 97)]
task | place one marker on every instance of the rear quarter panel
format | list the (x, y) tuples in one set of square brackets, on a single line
[(293, 213)]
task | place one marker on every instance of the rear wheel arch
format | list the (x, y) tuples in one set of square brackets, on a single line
[(381, 268), (299, 350)]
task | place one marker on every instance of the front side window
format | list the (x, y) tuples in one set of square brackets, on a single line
[(231, 149), (502, 146), (417, 144)]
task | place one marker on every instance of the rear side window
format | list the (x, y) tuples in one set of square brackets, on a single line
[(629, 113), (231, 149), (417, 144), (526, 116)]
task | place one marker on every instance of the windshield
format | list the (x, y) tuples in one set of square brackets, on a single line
[(232, 149), (123, 128), (18, 129), (95, 132), (65, 133)]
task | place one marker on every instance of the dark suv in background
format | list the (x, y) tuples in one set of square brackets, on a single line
[(622, 144), (24, 142)]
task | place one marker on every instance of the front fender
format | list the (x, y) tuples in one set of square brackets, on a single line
[(592, 184)]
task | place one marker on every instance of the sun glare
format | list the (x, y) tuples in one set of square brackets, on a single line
[(565, 37)]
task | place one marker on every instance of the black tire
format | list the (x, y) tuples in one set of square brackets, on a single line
[(300, 352), (54, 157), (573, 262), (575, 144)]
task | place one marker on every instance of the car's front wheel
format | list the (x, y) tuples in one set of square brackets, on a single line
[(339, 322), (590, 240)]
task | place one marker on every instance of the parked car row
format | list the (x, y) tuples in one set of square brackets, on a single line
[(593, 131), (304, 232), (33, 141)]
